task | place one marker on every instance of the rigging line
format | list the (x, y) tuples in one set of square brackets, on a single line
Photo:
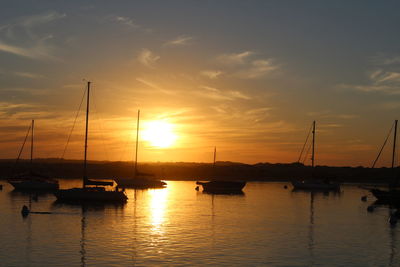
[(100, 128), (304, 145), (23, 144), (383, 146), (73, 125), (306, 154)]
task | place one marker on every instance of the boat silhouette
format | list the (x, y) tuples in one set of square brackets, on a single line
[(140, 180), (91, 190), (221, 186), (32, 181), (313, 183), (392, 194)]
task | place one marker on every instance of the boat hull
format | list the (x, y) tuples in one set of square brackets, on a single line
[(32, 185), (90, 195), (139, 183), (315, 185), (222, 187), (387, 196)]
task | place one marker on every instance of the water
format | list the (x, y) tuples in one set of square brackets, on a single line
[(267, 226)]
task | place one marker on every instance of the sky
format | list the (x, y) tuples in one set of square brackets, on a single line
[(247, 77)]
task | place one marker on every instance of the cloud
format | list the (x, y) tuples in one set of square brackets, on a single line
[(22, 30), (155, 86), (244, 65), (235, 58), (257, 68), (216, 94), (126, 21), (379, 80), (180, 41), (211, 74), (147, 58), (28, 75)]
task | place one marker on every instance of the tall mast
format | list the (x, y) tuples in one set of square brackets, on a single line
[(313, 145), (33, 123), (394, 142), (86, 136), (215, 155), (137, 141)]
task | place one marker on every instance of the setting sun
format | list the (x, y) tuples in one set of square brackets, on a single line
[(159, 133)]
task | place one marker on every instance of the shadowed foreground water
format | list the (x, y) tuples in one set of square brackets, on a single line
[(268, 225)]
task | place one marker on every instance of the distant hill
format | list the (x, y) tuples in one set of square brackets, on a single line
[(198, 171)]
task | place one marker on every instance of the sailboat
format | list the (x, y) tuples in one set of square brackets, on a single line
[(140, 180), (314, 184), (91, 190), (392, 195), (222, 186), (32, 180)]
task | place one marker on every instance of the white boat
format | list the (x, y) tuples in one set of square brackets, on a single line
[(313, 183), (91, 191), (31, 180)]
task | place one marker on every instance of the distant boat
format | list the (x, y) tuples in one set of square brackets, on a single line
[(140, 180), (392, 195), (31, 180), (315, 184), (221, 186), (88, 193)]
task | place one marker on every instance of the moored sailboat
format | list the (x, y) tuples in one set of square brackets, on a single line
[(313, 183), (31, 180), (91, 190), (140, 180), (391, 195), (222, 186)]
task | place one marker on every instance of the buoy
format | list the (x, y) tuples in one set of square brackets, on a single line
[(197, 188), (370, 208), (285, 187), (24, 211), (364, 198)]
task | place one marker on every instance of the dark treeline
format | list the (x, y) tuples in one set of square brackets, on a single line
[(198, 171)]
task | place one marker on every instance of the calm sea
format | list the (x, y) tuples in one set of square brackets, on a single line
[(178, 226)]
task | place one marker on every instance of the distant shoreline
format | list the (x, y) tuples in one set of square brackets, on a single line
[(191, 171)]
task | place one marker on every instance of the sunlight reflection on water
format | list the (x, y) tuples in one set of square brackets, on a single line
[(268, 226)]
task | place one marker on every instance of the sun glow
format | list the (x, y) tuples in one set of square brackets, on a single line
[(159, 133)]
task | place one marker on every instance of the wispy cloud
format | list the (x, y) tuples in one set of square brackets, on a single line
[(147, 58), (22, 30), (153, 85), (211, 74), (126, 21), (180, 41), (245, 65), (28, 75), (216, 94), (257, 68), (384, 79), (235, 58)]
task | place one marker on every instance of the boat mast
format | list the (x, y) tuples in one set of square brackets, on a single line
[(33, 123), (137, 141), (394, 143), (215, 155), (313, 145), (86, 136)]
